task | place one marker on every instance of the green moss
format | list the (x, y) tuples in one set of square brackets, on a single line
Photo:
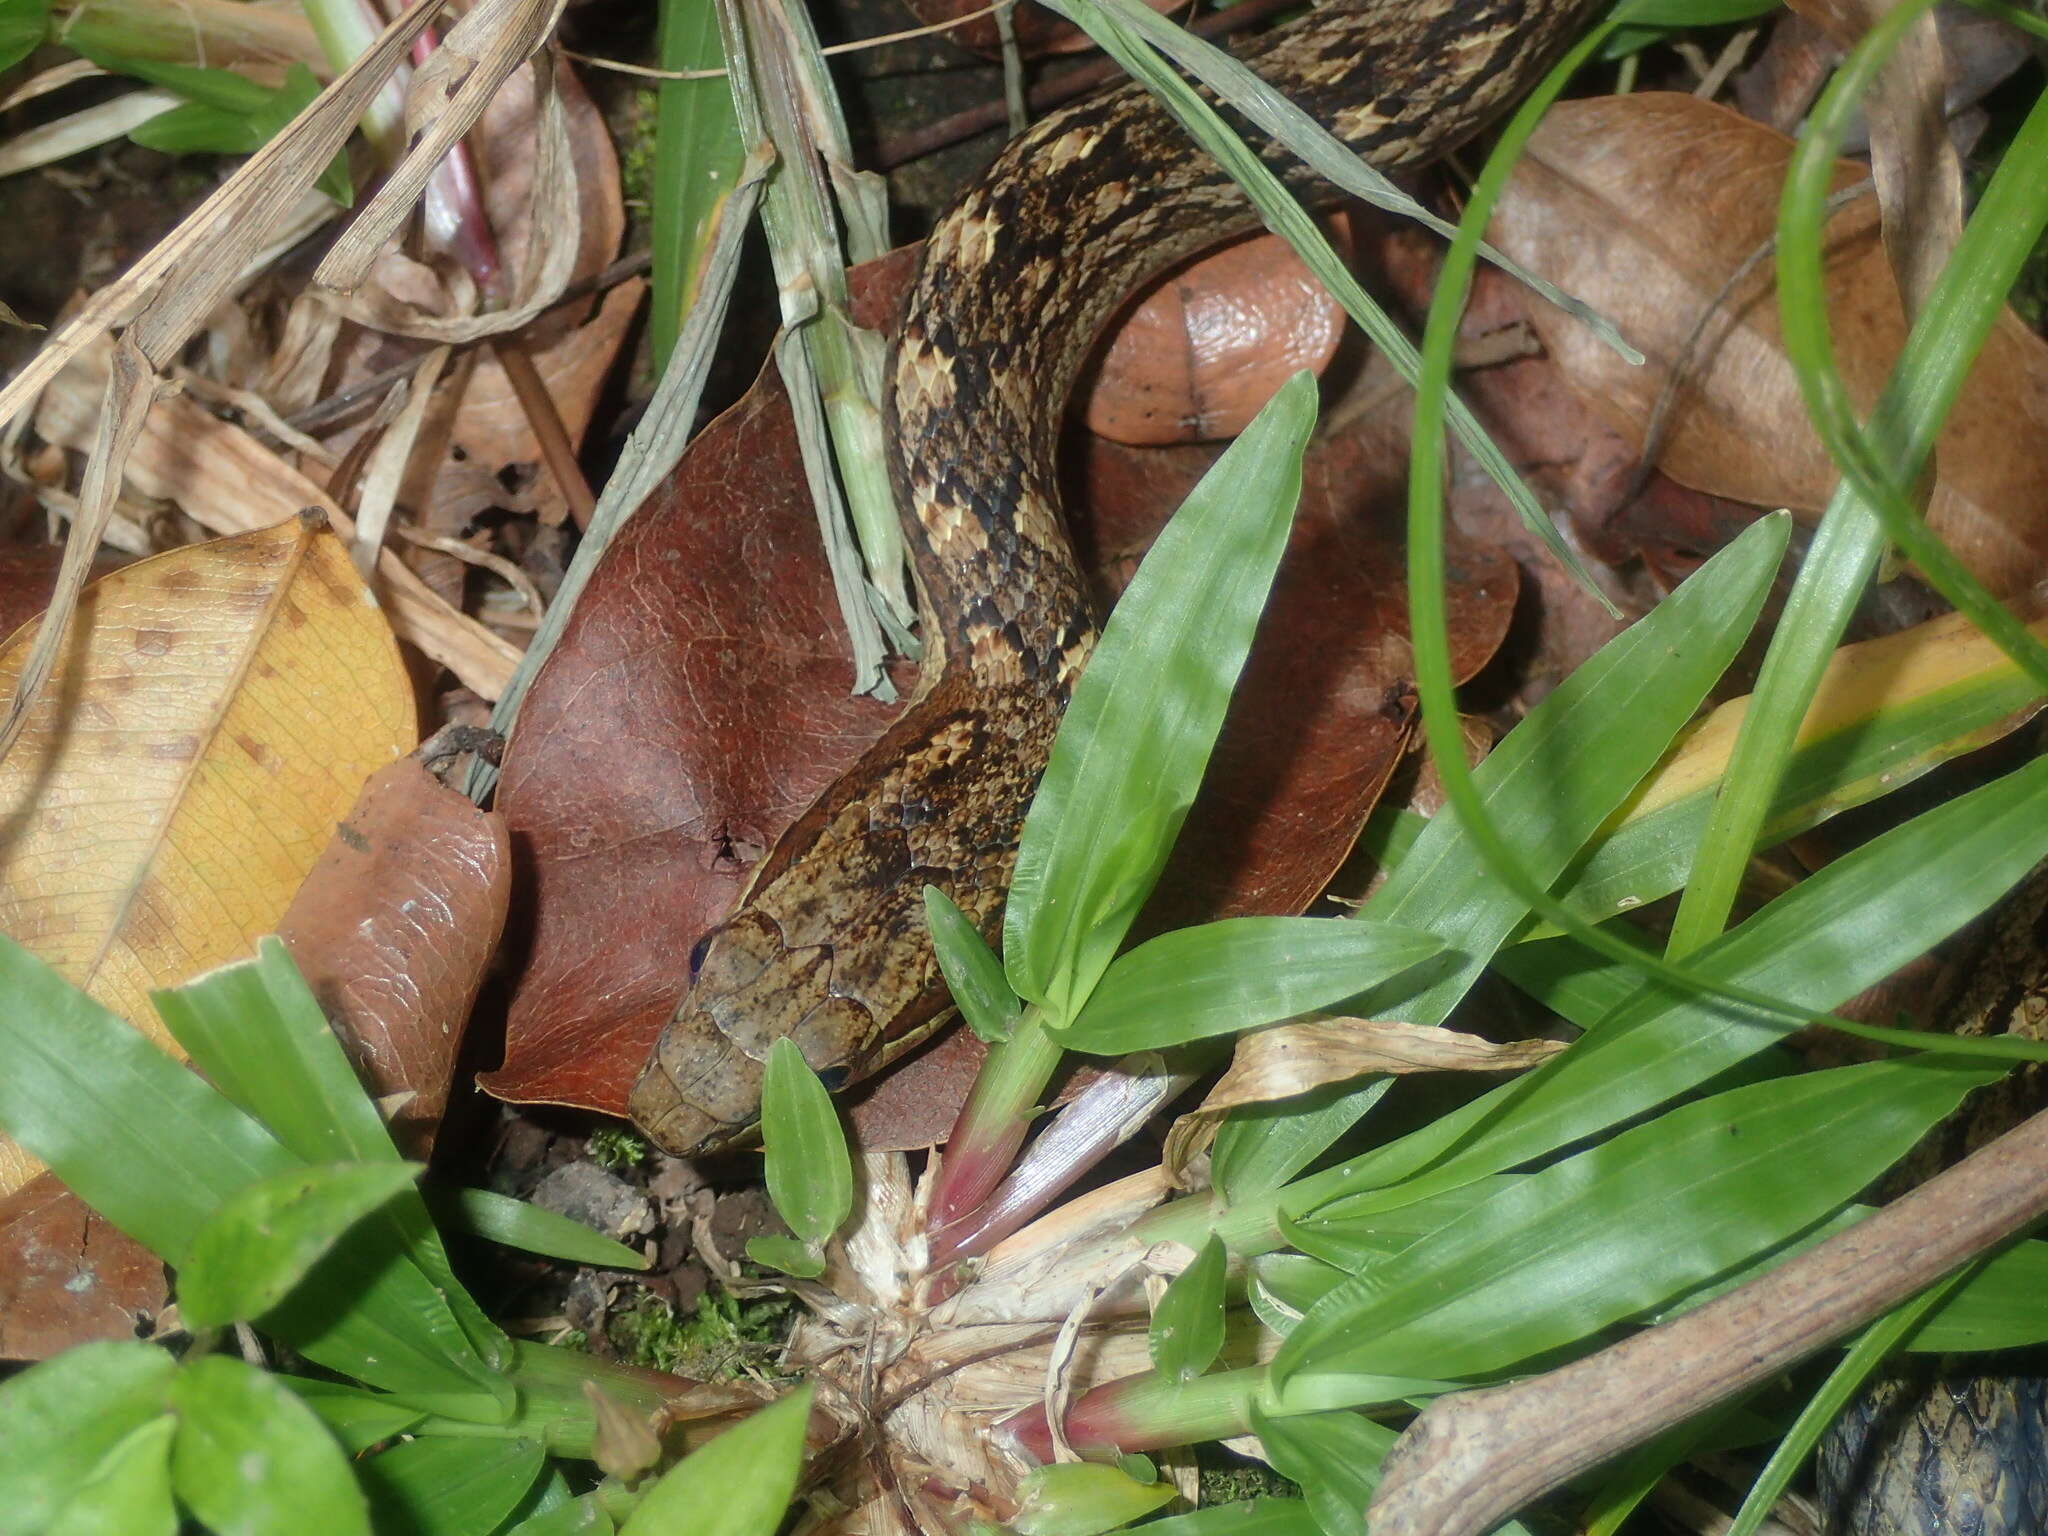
[(632, 125), (614, 1147), (722, 1338), (1245, 1480)]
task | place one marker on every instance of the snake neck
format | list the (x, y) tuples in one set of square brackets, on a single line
[(1022, 274)]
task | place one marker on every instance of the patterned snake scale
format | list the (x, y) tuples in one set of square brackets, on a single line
[(829, 947)]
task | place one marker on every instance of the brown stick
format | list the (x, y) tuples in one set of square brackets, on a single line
[(1051, 92), (556, 451), (1474, 1458)]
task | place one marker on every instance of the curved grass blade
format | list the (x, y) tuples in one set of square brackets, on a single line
[(522, 1224)]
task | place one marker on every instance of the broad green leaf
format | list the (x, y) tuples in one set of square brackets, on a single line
[(24, 24), (1237, 974), (129, 1492), (435, 1486), (1623, 1226), (1187, 1325), (1249, 1517), (59, 1420), (131, 1132), (810, 1172), (1083, 1498), (1335, 1457), (1283, 1287), (973, 973), (358, 1419), (1144, 716), (738, 1485), (786, 1254), (1835, 933), (384, 1307), (1261, 1146), (264, 1238), (522, 1224), (251, 1459)]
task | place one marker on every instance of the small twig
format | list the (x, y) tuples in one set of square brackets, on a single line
[(1475, 1457), (556, 450), (1049, 93)]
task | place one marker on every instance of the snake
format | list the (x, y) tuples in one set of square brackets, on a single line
[(828, 946)]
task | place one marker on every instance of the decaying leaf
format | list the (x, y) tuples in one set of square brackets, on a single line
[(67, 1276), (1737, 427), (393, 928), (1290, 1059), (212, 715)]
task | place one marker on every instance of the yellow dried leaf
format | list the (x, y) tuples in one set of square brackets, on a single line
[(209, 721)]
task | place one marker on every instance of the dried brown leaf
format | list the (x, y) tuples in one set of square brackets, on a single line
[(1684, 193)]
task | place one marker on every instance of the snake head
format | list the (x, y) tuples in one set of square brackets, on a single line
[(701, 1089)]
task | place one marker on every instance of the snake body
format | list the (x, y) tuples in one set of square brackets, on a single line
[(828, 947)]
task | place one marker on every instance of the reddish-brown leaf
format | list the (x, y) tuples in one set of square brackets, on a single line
[(393, 929), (66, 1276), (698, 703)]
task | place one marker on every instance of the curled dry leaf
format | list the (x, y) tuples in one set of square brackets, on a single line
[(393, 928), (1290, 1059), (1685, 193), (1210, 344), (212, 716)]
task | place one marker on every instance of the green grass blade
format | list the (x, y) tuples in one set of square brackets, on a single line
[(697, 160), (1335, 1457), (1187, 1326), (1868, 506), (1261, 1147), (267, 1235), (436, 1486), (129, 1492), (1237, 974), (134, 1134), (522, 1224), (1144, 716), (1840, 930), (1619, 1228), (1249, 1517), (973, 973)]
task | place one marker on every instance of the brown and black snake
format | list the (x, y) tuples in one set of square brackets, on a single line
[(828, 947)]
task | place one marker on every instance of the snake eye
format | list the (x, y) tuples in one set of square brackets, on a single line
[(698, 951)]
